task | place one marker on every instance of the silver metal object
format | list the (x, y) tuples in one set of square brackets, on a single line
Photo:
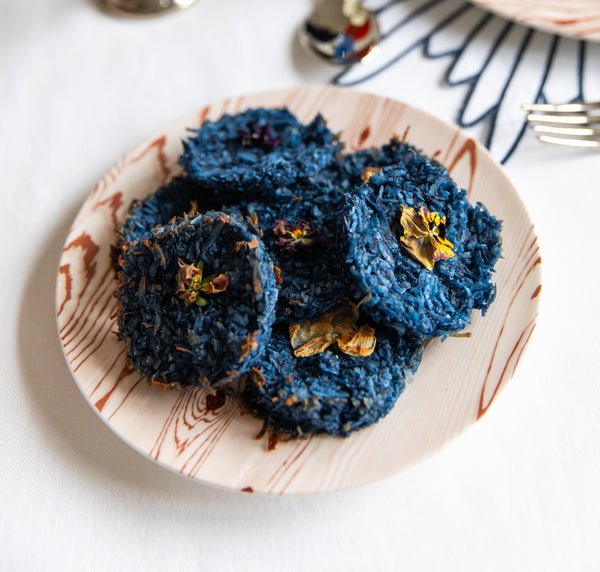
[(146, 7), (571, 124), (340, 32)]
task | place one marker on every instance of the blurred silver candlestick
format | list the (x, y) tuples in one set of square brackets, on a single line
[(147, 6)]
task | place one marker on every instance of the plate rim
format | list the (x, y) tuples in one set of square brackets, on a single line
[(564, 27)]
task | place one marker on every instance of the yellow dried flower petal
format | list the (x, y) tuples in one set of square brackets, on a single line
[(344, 316), (424, 236), (360, 343), (412, 224), (368, 172), (313, 337), (442, 250), (314, 346)]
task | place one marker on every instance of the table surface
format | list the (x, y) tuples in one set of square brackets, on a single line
[(517, 490)]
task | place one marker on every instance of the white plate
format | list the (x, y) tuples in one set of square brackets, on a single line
[(207, 438), (574, 18)]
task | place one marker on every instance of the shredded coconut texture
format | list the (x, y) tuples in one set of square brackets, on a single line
[(175, 342), (402, 292), (265, 172), (330, 392), (258, 150)]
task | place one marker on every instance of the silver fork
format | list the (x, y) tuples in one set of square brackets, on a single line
[(572, 124)]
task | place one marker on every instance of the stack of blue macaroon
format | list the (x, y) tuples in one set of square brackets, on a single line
[(300, 229)]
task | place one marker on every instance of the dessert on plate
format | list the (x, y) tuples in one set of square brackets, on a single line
[(312, 275)]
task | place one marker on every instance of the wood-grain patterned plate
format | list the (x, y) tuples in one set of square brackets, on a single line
[(205, 437), (572, 18)]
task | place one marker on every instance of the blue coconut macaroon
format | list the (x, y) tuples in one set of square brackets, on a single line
[(423, 253), (196, 301), (353, 167), (177, 198), (311, 267), (304, 231), (269, 287), (184, 195), (305, 234), (328, 392), (258, 150), (302, 234)]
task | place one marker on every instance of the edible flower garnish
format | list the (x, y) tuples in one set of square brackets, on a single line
[(337, 326), (425, 236), (192, 284), (261, 136), (295, 237), (368, 172)]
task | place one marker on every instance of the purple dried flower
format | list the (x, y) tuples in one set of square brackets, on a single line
[(261, 136), (295, 237)]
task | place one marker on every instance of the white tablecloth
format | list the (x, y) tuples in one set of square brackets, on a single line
[(517, 491)]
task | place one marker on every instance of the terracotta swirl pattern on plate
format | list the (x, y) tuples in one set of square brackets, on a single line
[(204, 436), (575, 18)]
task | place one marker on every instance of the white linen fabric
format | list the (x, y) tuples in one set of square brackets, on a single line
[(518, 491)]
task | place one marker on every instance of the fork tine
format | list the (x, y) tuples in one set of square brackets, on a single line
[(564, 119), (562, 107), (590, 144), (575, 131), (568, 124)]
